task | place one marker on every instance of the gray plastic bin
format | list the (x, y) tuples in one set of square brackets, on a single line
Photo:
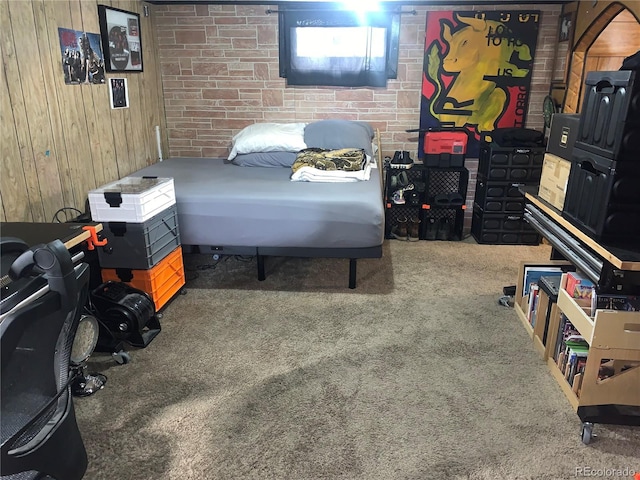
[(140, 246)]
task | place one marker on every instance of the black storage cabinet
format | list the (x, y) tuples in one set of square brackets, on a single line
[(510, 164), (498, 207), (601, 200), (563, 134), (502, 229), (610, 116)]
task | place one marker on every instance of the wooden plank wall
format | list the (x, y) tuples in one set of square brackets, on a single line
[(59, 141), (620, 39)]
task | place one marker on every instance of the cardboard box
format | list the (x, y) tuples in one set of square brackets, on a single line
[(553, 182)]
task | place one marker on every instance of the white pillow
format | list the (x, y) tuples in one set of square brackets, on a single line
[(269, 137)]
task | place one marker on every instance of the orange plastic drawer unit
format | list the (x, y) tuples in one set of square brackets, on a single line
[(161, 282)]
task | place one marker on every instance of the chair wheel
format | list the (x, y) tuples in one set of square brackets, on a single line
[(587, 432)]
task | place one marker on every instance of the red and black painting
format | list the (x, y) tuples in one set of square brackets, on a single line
[(477, 71)]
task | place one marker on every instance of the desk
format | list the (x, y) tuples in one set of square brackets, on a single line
[(608, 264), (71, 234), (623, 256)]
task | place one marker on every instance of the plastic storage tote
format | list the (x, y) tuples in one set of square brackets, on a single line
[(162, 282), (131, 199), (140, 245)]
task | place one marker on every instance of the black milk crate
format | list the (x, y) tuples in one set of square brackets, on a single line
[(414, 176), (446, 187), (603, 201), (502, 229), (452, 217), (610, 116), (510, 164), (395, 212), (498, 197), (140, 246)]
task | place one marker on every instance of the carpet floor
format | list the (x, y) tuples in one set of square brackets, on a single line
[(418, 373)]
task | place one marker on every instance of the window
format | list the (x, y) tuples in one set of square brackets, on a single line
[(338, 47)]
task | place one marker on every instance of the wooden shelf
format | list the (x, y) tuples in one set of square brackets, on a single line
[(523, 318), (583, 322), (607, 390), (564, 385), (613, 337)]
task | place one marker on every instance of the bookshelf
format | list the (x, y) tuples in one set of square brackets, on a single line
[(605, 387), (522, 300), (614, 339)]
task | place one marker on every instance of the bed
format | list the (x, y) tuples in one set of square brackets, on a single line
[(241, 205)]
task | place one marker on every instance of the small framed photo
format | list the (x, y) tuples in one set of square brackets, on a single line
[(566, 27), (118, 93), (121, 39)]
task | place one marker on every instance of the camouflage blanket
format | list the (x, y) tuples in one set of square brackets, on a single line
[(346, 159)]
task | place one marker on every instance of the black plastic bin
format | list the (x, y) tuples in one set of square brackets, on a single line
[(601, 200), (610, 115)]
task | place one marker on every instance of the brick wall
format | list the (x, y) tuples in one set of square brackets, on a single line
[(220, 73)]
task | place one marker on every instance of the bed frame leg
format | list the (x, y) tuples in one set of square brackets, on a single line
[(261, 275), (352, 273)]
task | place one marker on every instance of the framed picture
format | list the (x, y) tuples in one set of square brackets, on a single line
[(82, 59), (121, 39), (118, 93), (566, 27)]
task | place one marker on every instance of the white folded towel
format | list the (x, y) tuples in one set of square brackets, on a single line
[(310, 174)]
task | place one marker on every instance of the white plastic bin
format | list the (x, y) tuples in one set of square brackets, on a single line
[(131, 199)]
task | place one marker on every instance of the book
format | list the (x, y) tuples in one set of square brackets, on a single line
[(532, 275), (533, 303), (607, 301), (580, 288), (574, 347), (566, 331)]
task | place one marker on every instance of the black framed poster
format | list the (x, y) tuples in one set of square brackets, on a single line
[(121, 39), (118, 93)]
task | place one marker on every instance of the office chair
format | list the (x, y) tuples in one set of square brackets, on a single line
[(39, 313)]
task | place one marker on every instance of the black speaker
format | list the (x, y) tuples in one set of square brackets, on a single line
[(127, 313)]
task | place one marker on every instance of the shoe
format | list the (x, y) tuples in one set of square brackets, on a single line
[(444, 229), (441, 199), (399, 230), (414, 229), (398, 197), (455, 199), (401, 160), (431, 228), (400, 180)]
